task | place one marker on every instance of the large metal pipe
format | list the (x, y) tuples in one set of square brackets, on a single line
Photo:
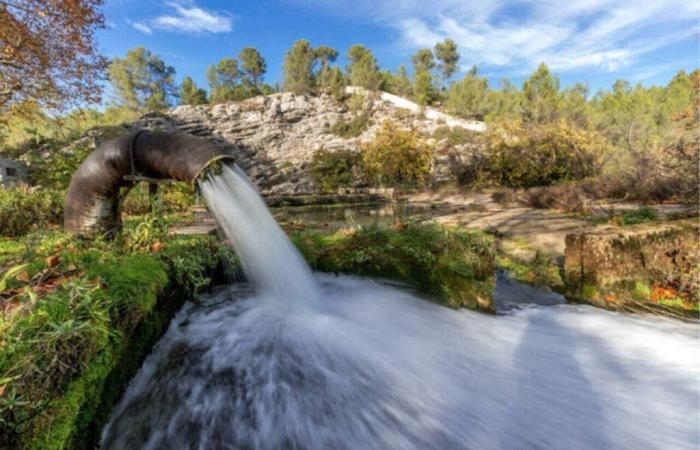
[(93, 200)]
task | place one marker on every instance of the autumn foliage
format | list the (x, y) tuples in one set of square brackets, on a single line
[(48, 53)]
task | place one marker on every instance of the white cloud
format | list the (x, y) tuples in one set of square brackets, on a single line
[(187, 17), (568, 35), (141, 27)]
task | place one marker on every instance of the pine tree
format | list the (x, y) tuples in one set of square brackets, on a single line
[(142, 80), (253, 67), (298, 68), (363, 69), (541, 96), (447, 53), (469, 97), (223, 80), (190, 94)]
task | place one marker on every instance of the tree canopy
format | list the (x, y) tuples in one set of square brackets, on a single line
[(190, 94), (142, 80), (48, 53)]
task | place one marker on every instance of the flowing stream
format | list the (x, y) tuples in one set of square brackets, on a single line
[(296, 360)]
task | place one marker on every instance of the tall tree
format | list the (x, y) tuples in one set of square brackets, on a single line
[(362, 68), (253, 66), (423, 60), (298, 68), (326, 78), (447, 53), (469, 97), (399, 83), (48, 53), (223, 80), (541, 96), (505, 102), (190, 94), (424, 87), (142, 80)]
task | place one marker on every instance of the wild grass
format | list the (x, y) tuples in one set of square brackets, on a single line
[(453, 267)]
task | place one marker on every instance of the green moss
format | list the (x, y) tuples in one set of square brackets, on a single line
[(68, 354), (641, 291), (540, 270), (589, 292)]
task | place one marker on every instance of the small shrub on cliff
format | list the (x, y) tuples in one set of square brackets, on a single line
[(23, 210), (541, 155), (397, 157), (353, 128), (331, 170)]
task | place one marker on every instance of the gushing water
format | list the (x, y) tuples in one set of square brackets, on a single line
[(269, 260), (370, 366)]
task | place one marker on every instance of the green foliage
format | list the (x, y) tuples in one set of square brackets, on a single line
[(398, 83), (424, 90), (469, 98), (149, 230), (224, 85), (54, 171), (397, 158), (362, 69), (520, 156), (454, 267), (142, 80), (542, 99), (331, 170), (423, 60), (62, 343), (190, 94), (644, 214), (456, 135), (447, 53), (298, 68), (353, 128), (22, 210), (540, 270), (253, 66)]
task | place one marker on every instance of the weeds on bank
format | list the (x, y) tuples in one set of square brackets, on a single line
[(454, 267), (63, 300)]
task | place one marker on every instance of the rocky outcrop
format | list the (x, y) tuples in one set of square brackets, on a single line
[(274, 137)]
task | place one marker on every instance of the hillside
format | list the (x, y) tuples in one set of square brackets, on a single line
[(274, 137)]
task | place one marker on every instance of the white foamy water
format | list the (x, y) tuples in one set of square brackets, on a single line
[(372, 366), (270, 261)]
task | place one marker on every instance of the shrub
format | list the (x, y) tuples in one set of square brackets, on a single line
[(397, 158), (23, 210), (542, 155), (456, 135), (353, 128), (331, 170), (569, 197), (455, 267), (644, 214)]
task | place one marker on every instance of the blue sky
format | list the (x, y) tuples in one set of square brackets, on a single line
[(593, 41)]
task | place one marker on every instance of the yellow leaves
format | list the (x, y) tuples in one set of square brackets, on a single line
[(397, 157)]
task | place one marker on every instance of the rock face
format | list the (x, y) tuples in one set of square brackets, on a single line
[(275, 137), (622, 267)]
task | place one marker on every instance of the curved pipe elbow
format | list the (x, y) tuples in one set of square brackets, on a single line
[(93, 201)]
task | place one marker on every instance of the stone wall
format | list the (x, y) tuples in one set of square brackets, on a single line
[(635, 266)]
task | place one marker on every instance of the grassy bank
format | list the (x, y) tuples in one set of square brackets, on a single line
[(454, 268), (78, 318)]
